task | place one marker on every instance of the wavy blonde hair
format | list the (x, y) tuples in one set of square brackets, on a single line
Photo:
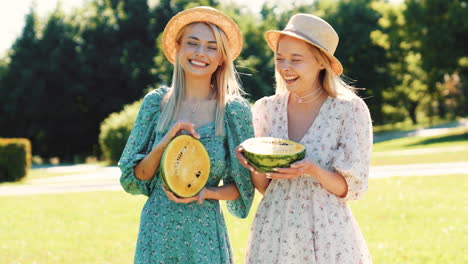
[(332, 84), (225, 81)]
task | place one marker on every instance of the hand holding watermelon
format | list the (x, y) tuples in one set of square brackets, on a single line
[(294, 171), (176, 130), (200, 197)]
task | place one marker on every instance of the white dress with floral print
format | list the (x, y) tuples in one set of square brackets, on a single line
[(298, 220)]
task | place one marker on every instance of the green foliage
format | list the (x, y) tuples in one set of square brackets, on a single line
[(15, 158), (408, 89), (60, 80), (115, 130), (364, 61), (64, 80), (439, 30)]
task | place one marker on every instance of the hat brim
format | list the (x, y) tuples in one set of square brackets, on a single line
[(201, 14), (272, 37)]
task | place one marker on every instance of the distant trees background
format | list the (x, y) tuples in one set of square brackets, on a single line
[(67, 72)]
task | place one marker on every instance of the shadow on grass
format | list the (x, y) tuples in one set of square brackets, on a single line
[(443, 139)]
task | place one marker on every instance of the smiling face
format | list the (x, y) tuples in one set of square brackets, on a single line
[(198, 51), (297, 66)]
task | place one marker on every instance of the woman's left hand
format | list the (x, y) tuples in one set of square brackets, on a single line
[(200, 197), (294, 171)]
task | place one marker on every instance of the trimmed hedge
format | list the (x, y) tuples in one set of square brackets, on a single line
[(115, 130), (15, 158)]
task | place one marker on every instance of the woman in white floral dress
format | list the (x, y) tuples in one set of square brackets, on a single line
[(303, 216)]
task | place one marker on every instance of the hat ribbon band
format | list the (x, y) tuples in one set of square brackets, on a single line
[(297, 32)]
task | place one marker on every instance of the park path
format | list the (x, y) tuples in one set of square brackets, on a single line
[(94, 178), (423, 132), (86, 178)]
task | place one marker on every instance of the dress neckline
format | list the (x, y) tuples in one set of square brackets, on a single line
[(285, 113)]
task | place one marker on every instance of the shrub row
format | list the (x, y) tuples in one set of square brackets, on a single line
[(15, 158), (115, 130)]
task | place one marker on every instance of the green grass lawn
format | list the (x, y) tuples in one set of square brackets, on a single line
[(404, 220), (454, 138), (384, 152), (407, 125)]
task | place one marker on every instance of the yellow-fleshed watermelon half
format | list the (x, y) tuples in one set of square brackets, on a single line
[(185, 166), (266, 153)]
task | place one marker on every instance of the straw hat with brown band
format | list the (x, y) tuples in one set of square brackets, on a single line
[(311, 29), (201, 14)]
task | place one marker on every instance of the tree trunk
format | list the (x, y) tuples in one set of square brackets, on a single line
[(412, 112), (441, 108)]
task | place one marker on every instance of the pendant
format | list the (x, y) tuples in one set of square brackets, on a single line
[(298, 99)]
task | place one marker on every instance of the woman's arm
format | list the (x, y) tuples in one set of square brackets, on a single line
[(332, 181), (227, 192)]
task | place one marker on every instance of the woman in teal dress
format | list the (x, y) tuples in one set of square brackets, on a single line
[(204, 101)]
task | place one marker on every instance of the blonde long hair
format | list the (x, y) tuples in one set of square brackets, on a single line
[(225, 81), (332, 84)]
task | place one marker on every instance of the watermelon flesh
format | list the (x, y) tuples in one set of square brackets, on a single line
[(267, 153), (185, 166)]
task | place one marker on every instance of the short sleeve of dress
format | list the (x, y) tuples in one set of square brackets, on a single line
[(354, 148), (260, 117), (238, 123), (139, 144)]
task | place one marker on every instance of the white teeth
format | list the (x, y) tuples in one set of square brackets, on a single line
[(288, 78), (199, 63)]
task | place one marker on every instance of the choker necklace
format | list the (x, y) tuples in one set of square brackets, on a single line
[(299, 99)]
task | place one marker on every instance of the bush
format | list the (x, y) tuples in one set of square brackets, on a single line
[(15, 158), (392, 114), (115, 130)]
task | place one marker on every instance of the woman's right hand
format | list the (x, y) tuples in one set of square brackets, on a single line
[(176, 130), (243, 161), (259, 179)]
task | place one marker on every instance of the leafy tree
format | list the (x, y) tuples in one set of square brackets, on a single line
[(363, 60), (409, 88), (116, 51), (440, 29), (16, 84)]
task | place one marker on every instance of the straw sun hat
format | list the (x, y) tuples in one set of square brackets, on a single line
[(313, 30), (201, 14)]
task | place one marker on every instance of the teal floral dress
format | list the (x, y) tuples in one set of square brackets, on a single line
[(187, 233)]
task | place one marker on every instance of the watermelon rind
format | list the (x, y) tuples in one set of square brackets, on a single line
[(264, 160)]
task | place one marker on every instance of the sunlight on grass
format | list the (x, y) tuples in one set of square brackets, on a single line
[(457, 137), (415, 219), (386, 153), (460, 156), (424, 122)]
